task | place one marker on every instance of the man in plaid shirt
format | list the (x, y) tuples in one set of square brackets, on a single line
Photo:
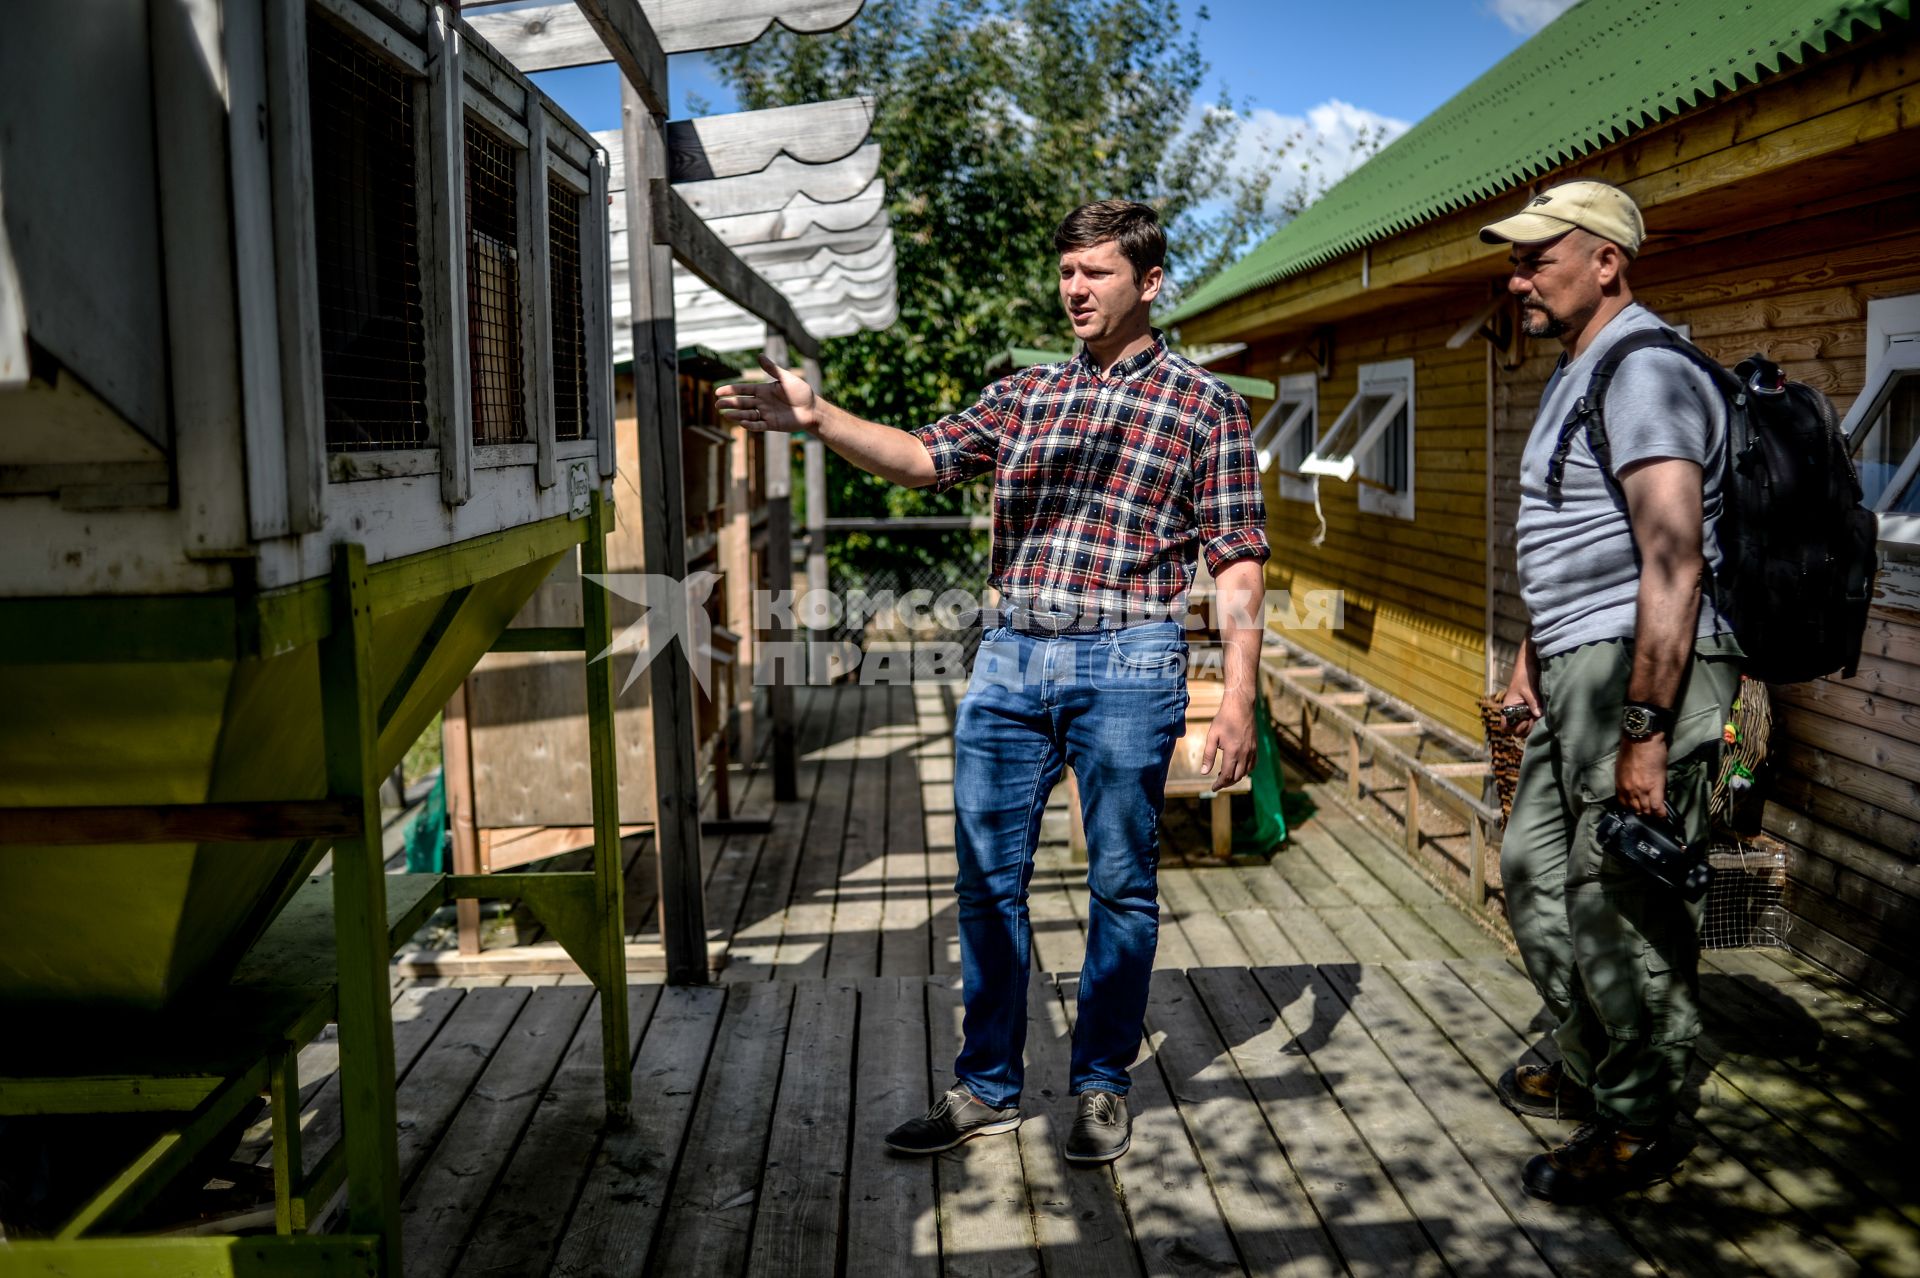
[(1112, 473)]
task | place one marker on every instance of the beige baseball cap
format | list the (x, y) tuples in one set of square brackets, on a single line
[(1596, 207)]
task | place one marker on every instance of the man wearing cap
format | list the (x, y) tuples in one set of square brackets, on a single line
[(1623, 684), (1112, 473)]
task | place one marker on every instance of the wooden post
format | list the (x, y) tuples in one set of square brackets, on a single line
[(683, 923), (1221, 811), (779, 489), (1477, 866), (1353, 765), (361, 944), (289, 1163), (456, 749), (609, 866), (736, 569), (444, 264), (1413, 813), (196, 226), (816, 455), (536, 297)]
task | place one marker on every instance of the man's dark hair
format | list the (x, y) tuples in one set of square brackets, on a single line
[(1134, 227)]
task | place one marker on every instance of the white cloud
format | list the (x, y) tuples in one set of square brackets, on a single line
[(1528, 16), (1318, 149)]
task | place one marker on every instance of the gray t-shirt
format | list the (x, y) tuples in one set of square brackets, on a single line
[(1578, 576)]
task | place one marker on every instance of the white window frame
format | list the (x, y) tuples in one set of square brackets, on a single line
[(1295, 415), (1393, 379), (1893, 353)]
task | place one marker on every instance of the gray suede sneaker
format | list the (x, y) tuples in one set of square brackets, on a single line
[(954, 1118), (1101, 1130)]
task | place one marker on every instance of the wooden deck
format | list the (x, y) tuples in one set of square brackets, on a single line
[(1315, 1095)]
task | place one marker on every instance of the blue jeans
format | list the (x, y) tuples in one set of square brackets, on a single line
[(1113, 705)]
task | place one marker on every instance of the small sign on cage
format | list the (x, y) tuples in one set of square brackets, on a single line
[(579, 489)]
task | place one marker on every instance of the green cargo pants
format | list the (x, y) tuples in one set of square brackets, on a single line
[(1615, 955)]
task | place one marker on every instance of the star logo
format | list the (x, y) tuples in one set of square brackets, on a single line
[(675, 608)]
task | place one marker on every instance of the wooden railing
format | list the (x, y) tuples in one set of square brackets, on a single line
[(1376, 729)]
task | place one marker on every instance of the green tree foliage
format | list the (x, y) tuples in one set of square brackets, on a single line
[(995, 120)]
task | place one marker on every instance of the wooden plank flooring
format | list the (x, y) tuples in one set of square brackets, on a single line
[(1314, 1094)]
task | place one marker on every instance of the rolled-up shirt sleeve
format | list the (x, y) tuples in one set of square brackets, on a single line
[(965, 444), (1228, 504)]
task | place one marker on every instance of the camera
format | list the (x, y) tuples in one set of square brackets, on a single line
[(1657, 848)]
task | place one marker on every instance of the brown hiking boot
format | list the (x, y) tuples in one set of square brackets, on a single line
[(1601, 1160), (1544, 1091)]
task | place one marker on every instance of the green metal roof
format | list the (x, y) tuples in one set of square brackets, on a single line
[(1600, 72), (1017, 357)]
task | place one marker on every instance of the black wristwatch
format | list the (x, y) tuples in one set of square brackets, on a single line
[(1638, 720)]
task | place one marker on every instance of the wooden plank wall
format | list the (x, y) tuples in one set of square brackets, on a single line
[(1846, 780), (528, 710), (1415, 589)]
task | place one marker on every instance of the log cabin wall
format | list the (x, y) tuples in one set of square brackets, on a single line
[(1414, 590)]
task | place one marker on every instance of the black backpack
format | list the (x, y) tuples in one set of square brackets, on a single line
[(1796, 543)]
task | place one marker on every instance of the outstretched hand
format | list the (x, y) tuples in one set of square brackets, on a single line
[(785, 403)]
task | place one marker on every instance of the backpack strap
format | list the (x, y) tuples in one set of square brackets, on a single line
[(1588, 411)]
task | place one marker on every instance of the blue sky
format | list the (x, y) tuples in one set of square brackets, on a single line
[(1396, 59)]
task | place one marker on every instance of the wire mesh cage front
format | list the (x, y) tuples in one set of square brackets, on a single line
[(493, 290), (366, 231), (570, 416), (1746, 906)]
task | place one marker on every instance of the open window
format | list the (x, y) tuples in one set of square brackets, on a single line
[(1285, 435), (1883, 427), (1372, 439)]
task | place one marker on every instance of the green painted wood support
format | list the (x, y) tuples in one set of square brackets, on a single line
[(609, 868), (303, 1257), (568, 904), (422, 653), (360, 914), (142, 1180), (104, 1094), (283, 1095)]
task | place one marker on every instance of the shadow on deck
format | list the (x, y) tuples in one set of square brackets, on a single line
[(1315, 1094)]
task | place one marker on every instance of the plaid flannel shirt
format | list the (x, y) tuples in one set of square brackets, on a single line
[(1105, 486)]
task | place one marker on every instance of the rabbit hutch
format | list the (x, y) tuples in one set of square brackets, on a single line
[(305, 388)]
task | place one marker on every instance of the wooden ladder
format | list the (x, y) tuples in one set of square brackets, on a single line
[(1307, 694)]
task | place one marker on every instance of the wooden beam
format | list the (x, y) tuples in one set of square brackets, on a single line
[(597, 283), (546, 959), (536, 298), (856, 264), (801, 215), (659, 480), (825, 302), (805, 245), (626, 34), (196, 229), (700, 251), (296, 267), (444, 273), (690, 290), (180, 823), (543, 37), (779, 490), (723, 146), (361, 940), (775, 186)]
